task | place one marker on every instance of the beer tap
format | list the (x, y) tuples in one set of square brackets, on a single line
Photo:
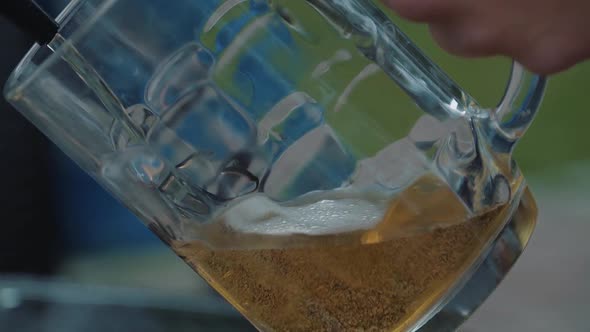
[(30, 18)]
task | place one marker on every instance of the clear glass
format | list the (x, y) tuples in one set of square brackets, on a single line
[(303, 156)]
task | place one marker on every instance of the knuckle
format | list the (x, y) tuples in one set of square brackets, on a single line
[(484, 40)]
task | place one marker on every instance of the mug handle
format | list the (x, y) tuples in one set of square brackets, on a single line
[(518, 107), (426, 83)]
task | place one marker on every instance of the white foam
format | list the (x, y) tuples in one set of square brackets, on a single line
[(315, 214)]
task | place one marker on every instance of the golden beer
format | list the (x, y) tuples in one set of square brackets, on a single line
[(383, 279)]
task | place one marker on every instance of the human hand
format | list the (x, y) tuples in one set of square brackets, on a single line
[(546, 36)]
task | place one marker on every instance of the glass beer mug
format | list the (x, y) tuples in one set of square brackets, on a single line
[(302, 156)]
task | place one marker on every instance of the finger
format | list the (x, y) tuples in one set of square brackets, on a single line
[(548, 58), (424, 10), (467, 40), (552, 49)]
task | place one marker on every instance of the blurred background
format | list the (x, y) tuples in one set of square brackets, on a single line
[(58, 223)]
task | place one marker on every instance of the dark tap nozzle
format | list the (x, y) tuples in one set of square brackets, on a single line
[(30, 18)]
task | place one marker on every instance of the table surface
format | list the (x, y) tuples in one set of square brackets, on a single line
[(548, 288)]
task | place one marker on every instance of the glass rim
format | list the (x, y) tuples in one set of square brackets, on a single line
[(25, 72)]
